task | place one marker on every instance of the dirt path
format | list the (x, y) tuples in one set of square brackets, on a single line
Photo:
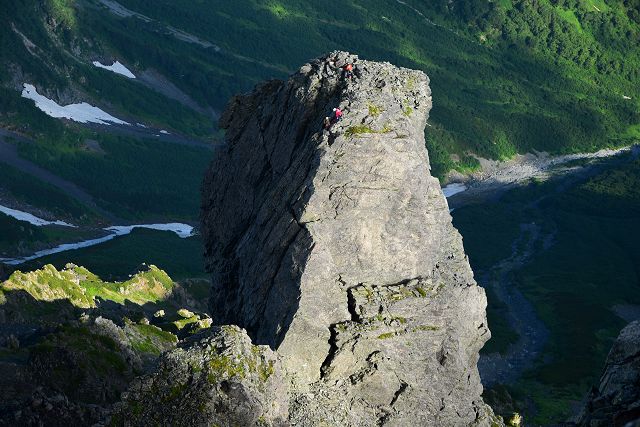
[(156, 81)]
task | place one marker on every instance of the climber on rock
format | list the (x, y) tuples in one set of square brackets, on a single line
[(337, 115), (326, 124), (347, 71)]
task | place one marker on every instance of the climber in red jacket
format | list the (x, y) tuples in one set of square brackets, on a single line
[(337, 115), (347, 71)]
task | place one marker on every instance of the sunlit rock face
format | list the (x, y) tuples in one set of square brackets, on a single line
[(335, 248)]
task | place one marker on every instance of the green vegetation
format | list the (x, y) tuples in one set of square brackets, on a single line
[(575, 281), (63, 12), (150, 339), (52, 295), (374, 110), (97, 359), (507, 77), (386, 335), (512, 76), (223, 368), (364, 129), (425, 328), (136, 179), (32, 238), (81, 287), (29, 190)]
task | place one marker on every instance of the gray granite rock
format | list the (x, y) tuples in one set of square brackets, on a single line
[(217, 378), (335, 248), (616, 399)]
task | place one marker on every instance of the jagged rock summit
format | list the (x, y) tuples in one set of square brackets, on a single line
[(336, 249)]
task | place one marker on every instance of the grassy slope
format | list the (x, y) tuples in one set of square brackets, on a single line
[(60, 58), (592, 265), (19, 237), (26, 189), (136, 179)]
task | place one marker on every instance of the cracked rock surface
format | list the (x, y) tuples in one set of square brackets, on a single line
[(336, 249)]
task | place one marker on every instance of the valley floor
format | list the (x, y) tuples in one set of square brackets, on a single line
[(530, 261)]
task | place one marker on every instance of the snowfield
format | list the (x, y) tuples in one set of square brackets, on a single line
[(454, 188), (31, 219), (117, 68), (82, 113), (182, 230)]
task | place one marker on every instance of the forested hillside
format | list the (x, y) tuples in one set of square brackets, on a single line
[(508, 76)]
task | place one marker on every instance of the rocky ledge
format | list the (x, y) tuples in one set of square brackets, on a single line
[(335, 248)]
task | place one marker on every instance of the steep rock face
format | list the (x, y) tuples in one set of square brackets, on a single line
[(336, 248), (616, 400)]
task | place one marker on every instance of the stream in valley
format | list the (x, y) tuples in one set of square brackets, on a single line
[(507, 368)]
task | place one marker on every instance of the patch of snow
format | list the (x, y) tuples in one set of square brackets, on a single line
[(626, 97), (141, 125), (182, 230), (31, 219), (117, 68), (62, 248), (454, 188), (82, 113), (164, 132)]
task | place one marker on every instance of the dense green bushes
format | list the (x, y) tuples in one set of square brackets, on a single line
[(506, 76)]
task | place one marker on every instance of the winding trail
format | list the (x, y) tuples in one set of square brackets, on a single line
[(119, 10)]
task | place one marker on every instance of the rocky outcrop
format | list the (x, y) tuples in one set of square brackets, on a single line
[(215, 379), (70, 343), (616, 399), (335, 248)]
